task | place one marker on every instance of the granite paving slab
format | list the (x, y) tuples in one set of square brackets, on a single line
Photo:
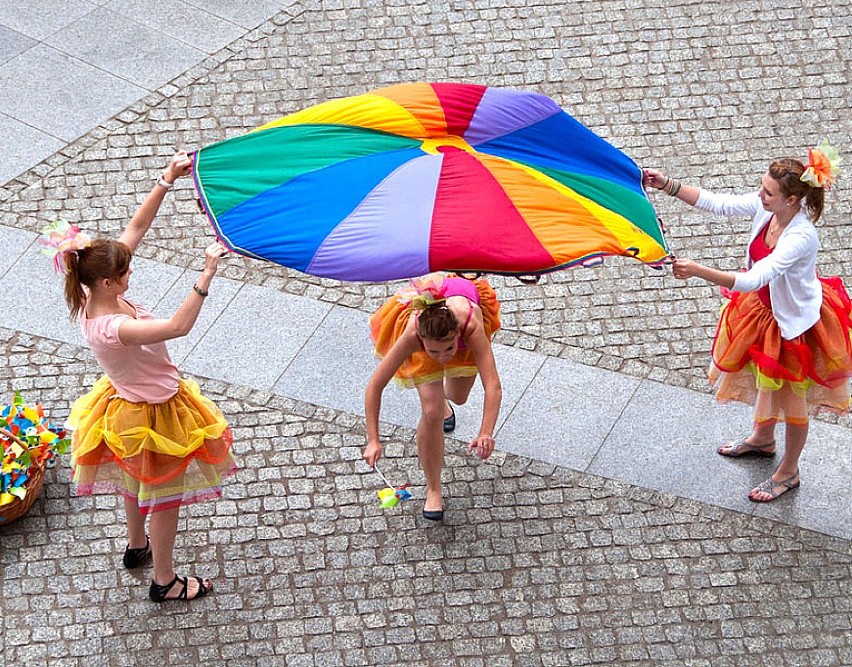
[(567, 413), (32, 275), (126, 48), (666, 439), (13, 43), (14, 242), (256, 337), (821, 503), (191, 25), (60, 94), (38, 19), (246, 13), (221, 294), (23, 146)]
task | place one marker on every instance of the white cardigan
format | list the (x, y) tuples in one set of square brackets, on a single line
[(790, 270)]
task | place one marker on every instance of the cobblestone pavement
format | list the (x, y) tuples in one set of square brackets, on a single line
[(535, 565)]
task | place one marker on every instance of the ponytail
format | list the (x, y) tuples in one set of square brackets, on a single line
[(98, 260)]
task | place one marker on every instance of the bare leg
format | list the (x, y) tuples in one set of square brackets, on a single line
[(762, 437), (794, 443), (136, 538), (163, 532), (457, 390), (762, 432), (430, 441)]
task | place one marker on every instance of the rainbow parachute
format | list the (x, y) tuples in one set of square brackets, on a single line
[(421, 177)]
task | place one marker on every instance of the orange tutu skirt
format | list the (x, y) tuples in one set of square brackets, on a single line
[(785, 380), (162, 455), (389, 321)]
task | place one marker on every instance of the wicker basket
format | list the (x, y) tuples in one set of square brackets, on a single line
[(20, 506)]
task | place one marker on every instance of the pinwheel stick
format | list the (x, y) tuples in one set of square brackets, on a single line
[(384, 479)]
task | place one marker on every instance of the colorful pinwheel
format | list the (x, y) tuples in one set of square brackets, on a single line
[(423, 177)]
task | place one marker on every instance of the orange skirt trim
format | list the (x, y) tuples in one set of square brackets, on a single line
[(388, 323), (754, 364)]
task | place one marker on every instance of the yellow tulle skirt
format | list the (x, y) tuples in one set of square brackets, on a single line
[(162, 455), (388, 323)]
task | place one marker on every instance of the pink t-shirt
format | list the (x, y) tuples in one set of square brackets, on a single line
[(139, 373)]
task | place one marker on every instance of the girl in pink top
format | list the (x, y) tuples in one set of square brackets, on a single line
[(142, 431)]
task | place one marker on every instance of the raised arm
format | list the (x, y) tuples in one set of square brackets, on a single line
[(179, 165), (659, 181), (145, 332)]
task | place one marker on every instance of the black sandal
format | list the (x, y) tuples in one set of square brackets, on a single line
[(158, 593), (450, 422), (134, 558)]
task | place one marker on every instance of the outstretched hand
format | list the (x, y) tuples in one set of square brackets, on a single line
[(482, 446), (212, 253), (684, 268), (654, 178), (372, 453), (179, 165)]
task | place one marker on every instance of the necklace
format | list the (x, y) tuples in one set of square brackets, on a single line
[(778, 227)]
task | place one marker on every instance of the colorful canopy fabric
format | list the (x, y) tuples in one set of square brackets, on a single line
[(423, 177)]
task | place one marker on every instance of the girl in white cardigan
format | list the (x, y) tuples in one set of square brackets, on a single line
[(783, 339)]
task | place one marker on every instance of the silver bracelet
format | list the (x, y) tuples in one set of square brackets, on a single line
[(163, 183)]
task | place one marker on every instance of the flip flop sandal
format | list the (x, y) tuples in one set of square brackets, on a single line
[(768, 487), (740, 447)]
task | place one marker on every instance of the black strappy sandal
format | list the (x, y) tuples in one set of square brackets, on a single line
[(158, 593), (134, 558)]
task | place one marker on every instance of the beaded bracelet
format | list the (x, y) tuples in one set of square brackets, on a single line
[(199, 291)]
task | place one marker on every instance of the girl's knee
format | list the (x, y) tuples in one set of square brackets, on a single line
[(432, 414)]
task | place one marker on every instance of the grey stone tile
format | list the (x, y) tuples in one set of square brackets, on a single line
[(222, 293), (821, 503), (666, 439), (566, 414), (151, 281), (517, 369), (40, 18), (246, 13), (125, 48), (15, 242), (46, 313), (23, 147), (334, 366), (190, 25), (256, 337), (59, 94), (13, 43)]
